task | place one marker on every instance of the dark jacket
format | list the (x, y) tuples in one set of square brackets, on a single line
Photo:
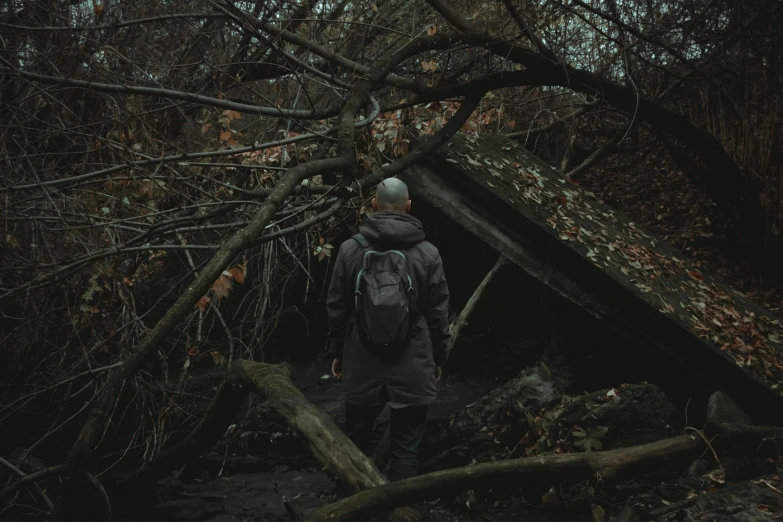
[(410, 377)]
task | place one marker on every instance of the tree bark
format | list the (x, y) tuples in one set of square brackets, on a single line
[(581, 466), (325, 441), (606, 465)]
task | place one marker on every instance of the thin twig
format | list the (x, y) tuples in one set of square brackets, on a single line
[(30, 479)]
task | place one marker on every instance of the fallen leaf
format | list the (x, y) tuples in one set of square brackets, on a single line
[(226, 135), (239, 272), (202, 303), (222, 285), (432, 29), (697, 276), (429, 66), (232, 115), (205, 128)]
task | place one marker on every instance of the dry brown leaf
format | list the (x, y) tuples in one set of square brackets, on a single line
[(205, 128), (222, 285), (232, 115), (239, 272), (430, 66), (432, 29), (697, 276), (226, 135), (202, 303)]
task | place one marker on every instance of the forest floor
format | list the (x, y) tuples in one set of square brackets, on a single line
[(649, 187), (261, 473), (260, 469)]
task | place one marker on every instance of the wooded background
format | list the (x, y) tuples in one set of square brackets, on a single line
[(176, 175)]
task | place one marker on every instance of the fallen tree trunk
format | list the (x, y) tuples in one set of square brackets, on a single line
[(326, 442), (606, 465), (579, 466)]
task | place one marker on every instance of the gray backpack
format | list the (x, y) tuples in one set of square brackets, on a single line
[(384, 298)]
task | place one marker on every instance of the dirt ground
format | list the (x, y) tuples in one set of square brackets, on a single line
[(264, 474)]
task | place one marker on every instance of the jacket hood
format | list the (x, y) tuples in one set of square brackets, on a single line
[(393, 227)]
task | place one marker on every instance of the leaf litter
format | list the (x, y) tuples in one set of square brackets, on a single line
[(717, 314)]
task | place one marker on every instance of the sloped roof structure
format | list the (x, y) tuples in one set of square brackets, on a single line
[(599, 259)]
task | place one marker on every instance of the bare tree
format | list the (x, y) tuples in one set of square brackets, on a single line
[(167, 170)]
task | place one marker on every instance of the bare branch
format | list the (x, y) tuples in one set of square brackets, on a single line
[(31, 482), (175, 95)]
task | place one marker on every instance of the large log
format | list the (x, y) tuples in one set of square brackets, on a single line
[(582, 466), (325, 441), (606, 466)]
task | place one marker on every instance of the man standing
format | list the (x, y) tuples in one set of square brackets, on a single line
[(388, 325)]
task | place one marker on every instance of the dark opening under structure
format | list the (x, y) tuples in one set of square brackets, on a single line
[(600, 261)]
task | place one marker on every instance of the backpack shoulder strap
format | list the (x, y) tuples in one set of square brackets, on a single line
[(359, 238)]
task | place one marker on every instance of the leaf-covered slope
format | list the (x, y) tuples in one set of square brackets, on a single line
[(652, 270)]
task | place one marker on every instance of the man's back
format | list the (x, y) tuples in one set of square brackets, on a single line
[(410, 377), (405, 376)]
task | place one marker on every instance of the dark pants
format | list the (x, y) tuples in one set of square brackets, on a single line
[(407, 429)]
